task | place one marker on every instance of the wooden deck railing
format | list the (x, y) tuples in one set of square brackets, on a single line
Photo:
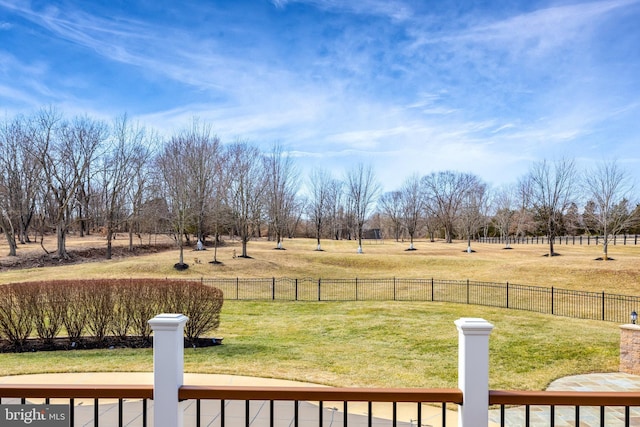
[(623, 402), (82, 391), (222, 396), (82, 415), (235, 406), (619, 405)]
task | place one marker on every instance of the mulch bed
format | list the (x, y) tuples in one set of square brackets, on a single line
[(79, 255), (111, 343)]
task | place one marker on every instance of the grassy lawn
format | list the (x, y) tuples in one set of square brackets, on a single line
[(387, 344), (576, 268)]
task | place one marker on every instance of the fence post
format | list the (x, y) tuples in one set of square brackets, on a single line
[(467, 291), (168, 368), (507, 294), (473, 371)]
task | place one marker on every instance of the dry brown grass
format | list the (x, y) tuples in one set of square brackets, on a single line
[(576, 268)]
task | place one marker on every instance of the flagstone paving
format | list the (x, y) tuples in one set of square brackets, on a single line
[(589, 416)]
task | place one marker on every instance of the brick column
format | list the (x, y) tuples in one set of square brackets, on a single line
[(630, 349)]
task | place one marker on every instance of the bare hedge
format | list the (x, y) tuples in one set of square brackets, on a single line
[(97, 308)]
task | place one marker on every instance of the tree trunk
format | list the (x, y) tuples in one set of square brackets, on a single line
[(11, 240), (448, 235), (605, 246), (61, 232), (215, 249), (109, 246), (318, 248)]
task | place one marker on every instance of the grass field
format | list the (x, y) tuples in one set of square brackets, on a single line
[(383, 344), (386, 344), (576, 268)]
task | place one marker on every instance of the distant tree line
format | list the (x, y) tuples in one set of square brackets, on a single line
[(552, 199), (60, 175)]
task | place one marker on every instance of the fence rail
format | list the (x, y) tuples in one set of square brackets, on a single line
[(556, 301), (622, 239)]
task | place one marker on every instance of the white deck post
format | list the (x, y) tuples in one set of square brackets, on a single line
[(473, 371), (168, 368)]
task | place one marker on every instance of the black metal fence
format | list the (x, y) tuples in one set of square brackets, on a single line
[(623, 239), (556, 301)]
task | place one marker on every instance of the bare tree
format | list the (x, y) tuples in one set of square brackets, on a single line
[(281, 189), (137, 194), (174, 183), (610, 188), (202, 152), (471, 215), (552, 191), (524, 218), (19, 179), (505, 214), (220, 203), (413, 206), (121, 158), (445, 193), (246, 189), (9, 182), (65, 151), (187, 166), (390, 205), (335, 197), (319, 204), (362, 191)]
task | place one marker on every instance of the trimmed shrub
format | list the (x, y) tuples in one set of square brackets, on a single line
[(16, 322), (98, 300), (74, 316), (124, 293), (202, 306), (144, 306), (102, 307), (48, 308)]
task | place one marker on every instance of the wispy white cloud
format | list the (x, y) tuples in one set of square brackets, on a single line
[(534, 33), (393, 9), (381, 80)]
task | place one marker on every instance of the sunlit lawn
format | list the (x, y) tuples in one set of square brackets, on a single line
[(576, 268), (388, 344)]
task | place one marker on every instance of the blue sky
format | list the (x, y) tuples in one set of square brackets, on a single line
[(406, 86)]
